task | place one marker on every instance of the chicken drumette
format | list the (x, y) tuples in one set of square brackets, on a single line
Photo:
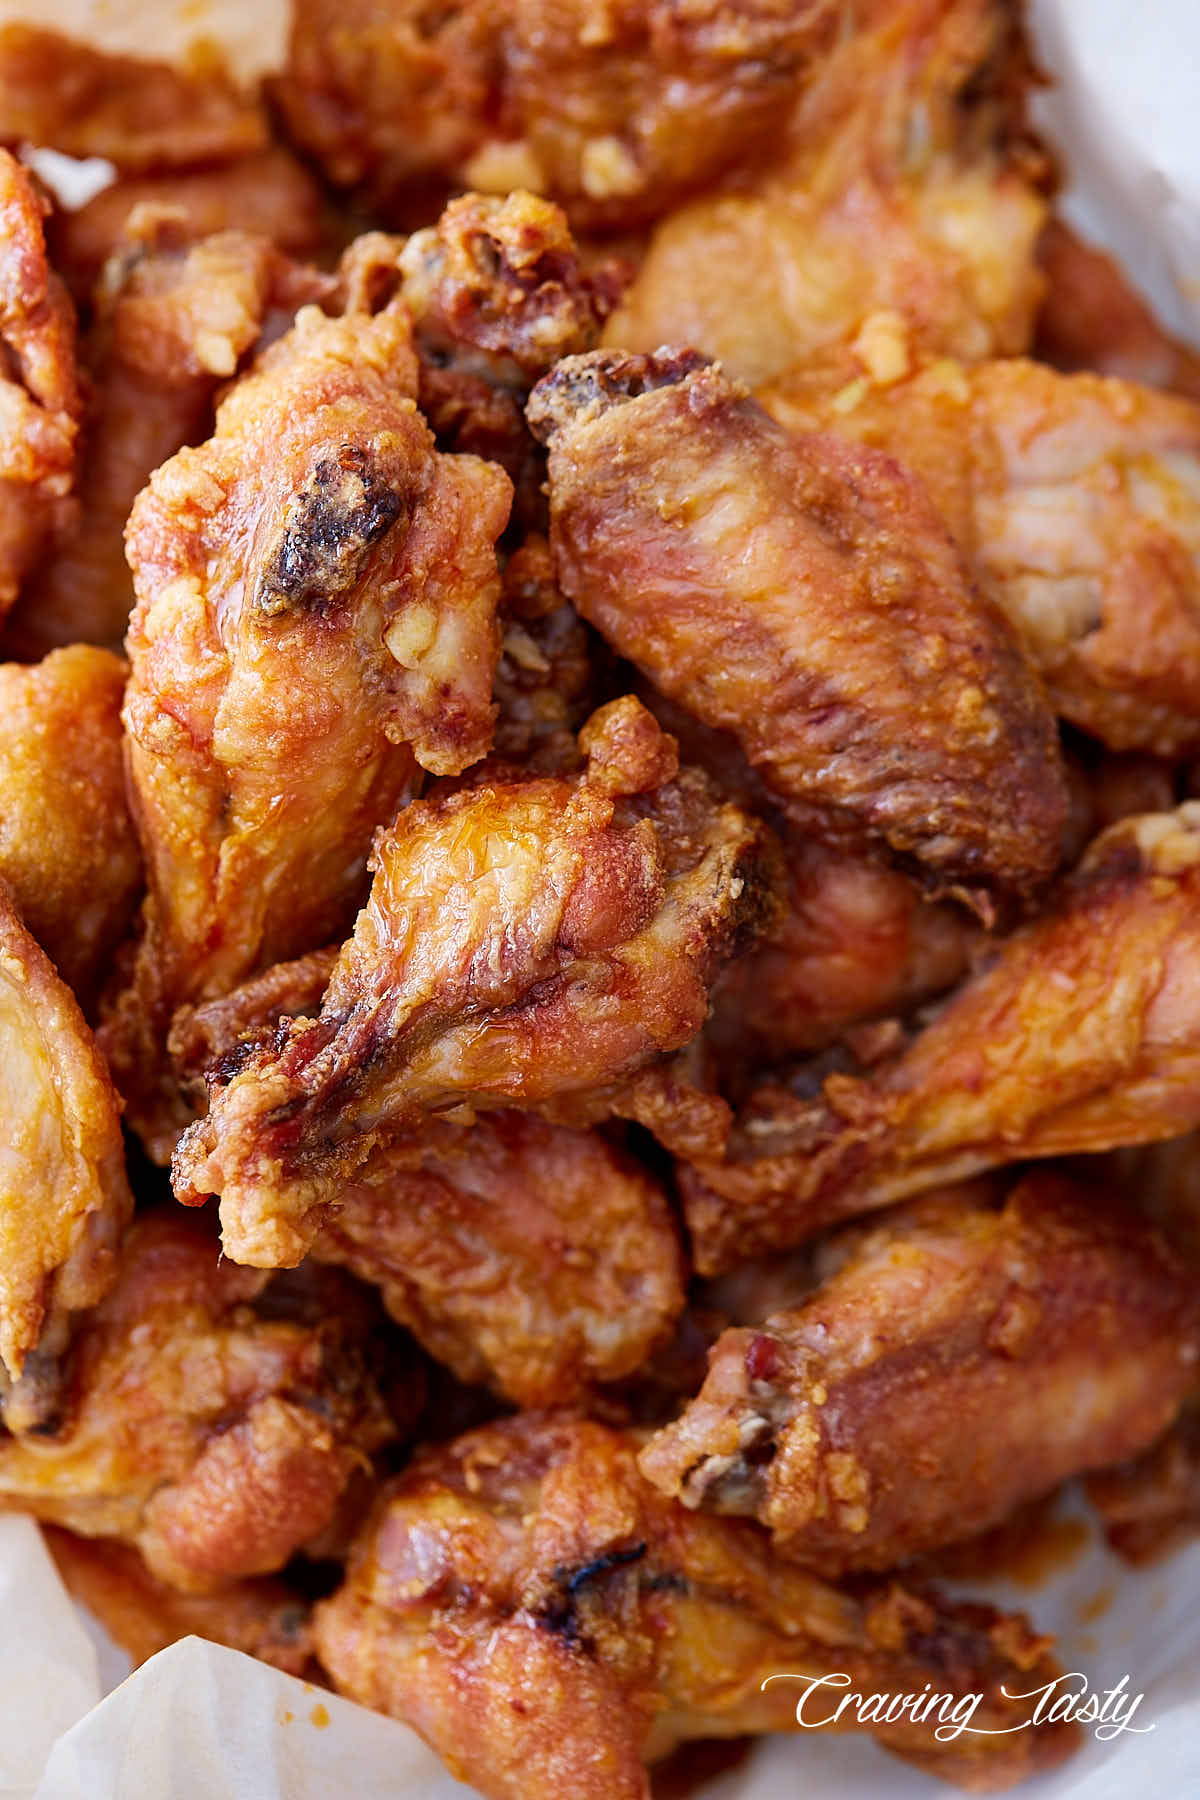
[(532, 941)]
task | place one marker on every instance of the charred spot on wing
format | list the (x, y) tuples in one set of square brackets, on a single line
[(559, 1613), (329, 529), (582, 387)]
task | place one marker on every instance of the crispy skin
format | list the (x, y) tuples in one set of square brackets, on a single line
[(616, 111), (261, 1617), (68, 849), (1092, 318), (894, 186), (855, 942), (1152, 1505), (1075, 497), (522, 1255), (64, 1199), (315, 623), (267, 194), (40, 396), (961, 1359), (212, 1420), (202, 1036), (1082, 1035), (525, 1577), (57, 91), (530, 942), (802, 594), (175, 320)]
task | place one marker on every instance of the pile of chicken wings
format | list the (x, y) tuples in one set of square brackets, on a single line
[(599, 885)]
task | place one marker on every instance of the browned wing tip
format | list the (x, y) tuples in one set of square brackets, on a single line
[(582, 387)]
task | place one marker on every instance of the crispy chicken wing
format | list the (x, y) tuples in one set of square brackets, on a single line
[(1082, 1035), (802, 594), (139, 115), (175, 320), (962, 1357), (618, 111), (267, 194), (315, 623), (68, 849), (527, 941), (498, 293), (261, 1616), (1076, 498), (525, 1576), (523, 1255), (855, 942), (893, 186), (64, 1199), (40, 396), (212, 1417)]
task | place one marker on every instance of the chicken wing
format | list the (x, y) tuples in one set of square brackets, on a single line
[(260, 1616), (40, 396), (527, 942), (498, 294), (961, 1358), (64, 1199), (266, 194), (855, 942), (1082, 1035), (68, 849), (618, 112), (897, 183), (1076, 499), (525, 1575), (139, 115), (802, 594), (212, 1417), (174, 321), (315, 623), (522, 1255)]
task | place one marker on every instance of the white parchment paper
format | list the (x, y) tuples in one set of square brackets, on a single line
[(203, 1723)]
